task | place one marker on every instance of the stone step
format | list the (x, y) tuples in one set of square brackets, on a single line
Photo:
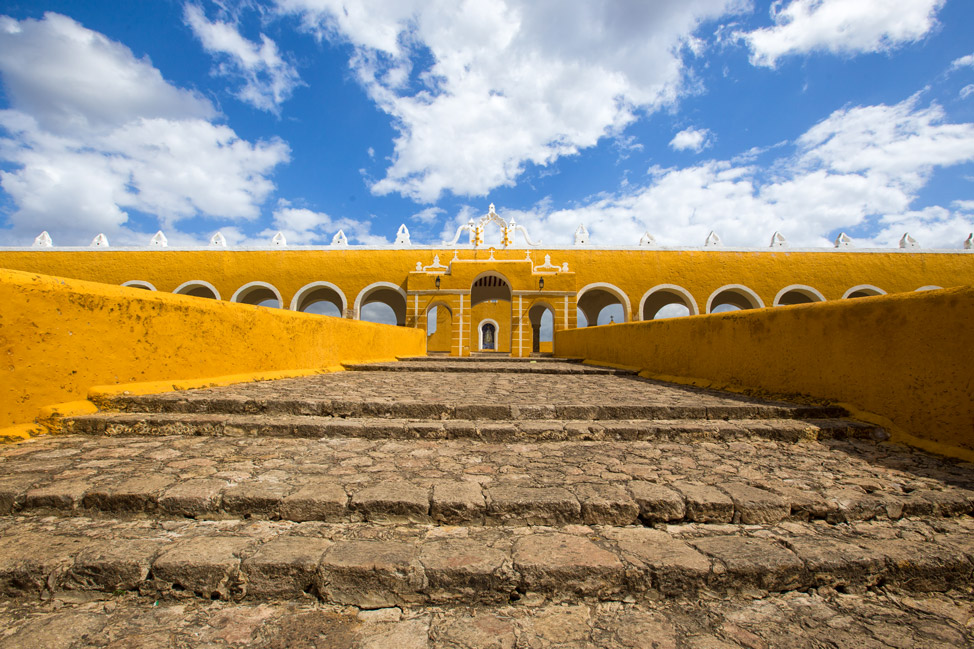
[(879, 618), (446, 358), (511, 366), (498, 429), (471, 483), (373, 567)]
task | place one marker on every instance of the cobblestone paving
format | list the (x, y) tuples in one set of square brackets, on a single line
[(883, 620), (471, 482)]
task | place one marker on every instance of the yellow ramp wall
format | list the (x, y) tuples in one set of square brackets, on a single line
[(60, 337), (903, 358)]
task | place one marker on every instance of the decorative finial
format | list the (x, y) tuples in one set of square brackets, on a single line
[(339, 240), (843, 241), (647, 239), (159, 240), (218, 240), (402, 236), (778, 240), (43, 240), (907, 242), (581, 235), (101, 241), (279, 240), (712, 240)]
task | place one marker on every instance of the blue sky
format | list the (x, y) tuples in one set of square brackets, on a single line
[(673, 117)]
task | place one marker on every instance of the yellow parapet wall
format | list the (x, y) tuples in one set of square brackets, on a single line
[(905, 359), (60, 337)]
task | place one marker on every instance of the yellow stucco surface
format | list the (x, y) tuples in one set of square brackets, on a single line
[(640, 279), (903, 360), (60, 337)]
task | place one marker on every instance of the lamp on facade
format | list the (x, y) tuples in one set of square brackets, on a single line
[(437, 283), (541, 284)]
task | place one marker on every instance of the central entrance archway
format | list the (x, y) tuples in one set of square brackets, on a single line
[(490, 306)]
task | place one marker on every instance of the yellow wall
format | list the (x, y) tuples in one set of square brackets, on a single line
[(634, 272), (904, 357), (59, 337), (441, 339)]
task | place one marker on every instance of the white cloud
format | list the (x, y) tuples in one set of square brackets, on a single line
[(967, 91), (963, 62), (93, 131), (840, 27), (267, 79), (428, 216), (510, 83), (302, 226), (859, 168), (691, 139)]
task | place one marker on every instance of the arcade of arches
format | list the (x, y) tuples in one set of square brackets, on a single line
[(507, 301)]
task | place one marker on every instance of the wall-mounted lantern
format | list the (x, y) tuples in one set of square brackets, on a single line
[(541, 284), (437, 283)]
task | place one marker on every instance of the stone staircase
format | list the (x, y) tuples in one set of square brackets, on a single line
[(514, 489)]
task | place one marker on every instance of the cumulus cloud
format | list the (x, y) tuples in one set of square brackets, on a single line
[(479, 91), (840, 27), (267, 80), (302, 226), (691, 139), (93, 132), (963, 62), (861, 166)]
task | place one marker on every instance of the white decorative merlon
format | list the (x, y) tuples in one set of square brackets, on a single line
[(647, 239), (218, 240), (279, 240), (547, 266), (581, 235), (969, 242), (778, 240), (402, 236), (906, 241), (340, 240), (101, 241), (436, 266), (843, 241), (43, 240), (712, 240), (158, 240)]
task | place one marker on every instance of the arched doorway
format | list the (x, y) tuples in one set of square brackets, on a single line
[(258, 294), (320, 298), (439, 328), (381, 302), (490, 303), (733, 297), (667, 301), (542, 318), (602, 303)]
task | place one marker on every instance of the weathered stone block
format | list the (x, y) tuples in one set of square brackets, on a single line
[(604, 504), (284, 567), (371, 574), (566, 563), (196, 497), (206, 566), (457, 503), (657, 503), (754, 506), (532, 505), (706, 504), (393, 502), (318, 500)]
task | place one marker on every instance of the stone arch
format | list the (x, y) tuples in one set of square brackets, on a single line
[(797, 294), (198, 288), (387, 293), (664, 295), (489, 285), (736, 295), (592, 298), (138, 283), (257, 292), (319, 292), (929, 287), (535, 315), (480, 334), (441, 340), (863, 290)]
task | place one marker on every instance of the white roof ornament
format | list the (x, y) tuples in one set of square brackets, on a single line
[(158, 240), (907, 242), (279, 240), (402, 236), (581, 235), (647, 240), (101, 241), (340, 240), (218, 240), (968, 242), (778, 240), (43, 240), (712, 240), (843, 241)]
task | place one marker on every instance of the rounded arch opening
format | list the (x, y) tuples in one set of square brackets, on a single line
[(733, 297), (439, 327), (198, 288), (258, 294), (602, 303), (489, 287), (321, 298), (488, 332), (667, 301), (381, 302), (542, 318), (863, 290), (137, 283), (797, 294)]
